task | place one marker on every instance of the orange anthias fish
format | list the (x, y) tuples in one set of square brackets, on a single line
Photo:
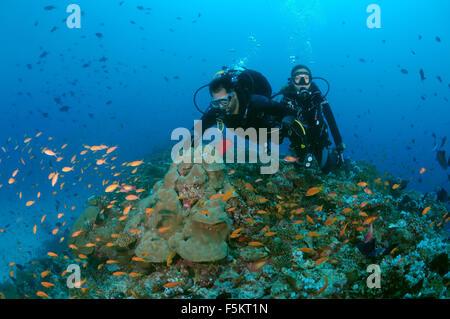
[(330, 221), (216, 196), (320, 261), (118, 273), (332, 194), (426, 210), (173, 284), (236, 233), (170, 257), (163, 229), (255, 243), (54, 179), (370, 220), (343, 230), (49, 152), (306, 250), (100, 162), (318, 208), (256, 266), (127, 188), (313, 191), (369, 234), (126, 210), (47, 284), (291, 159), (422, 170), (111, 149), (42, 294), (270, 233), (324, 287), (250, 187), (132, 197), (364, 204), (313, 234), (135, 163), (98, 148), (77, 233), (363, 214), (310, 220), (227, 195), (362, 184)]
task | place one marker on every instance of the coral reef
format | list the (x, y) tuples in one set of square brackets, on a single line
[(215, 231)]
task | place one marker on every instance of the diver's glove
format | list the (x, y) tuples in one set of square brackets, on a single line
[(340, 158), (340, 147)]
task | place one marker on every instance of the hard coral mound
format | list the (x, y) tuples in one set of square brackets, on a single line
[(183, 218)]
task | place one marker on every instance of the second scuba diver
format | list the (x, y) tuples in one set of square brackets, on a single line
[(308, 128)]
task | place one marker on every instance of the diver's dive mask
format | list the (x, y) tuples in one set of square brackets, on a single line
[(222, 102), (301, 78)]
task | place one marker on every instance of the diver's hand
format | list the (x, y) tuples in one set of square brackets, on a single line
[(340, 148), (340, 158)]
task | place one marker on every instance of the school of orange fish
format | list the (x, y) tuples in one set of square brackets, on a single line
[(320, 210)]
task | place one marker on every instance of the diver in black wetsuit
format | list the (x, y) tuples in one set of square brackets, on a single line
[(242, 99), (308, 129)]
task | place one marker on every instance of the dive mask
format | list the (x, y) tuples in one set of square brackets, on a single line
[(222, 102), (301, 78)]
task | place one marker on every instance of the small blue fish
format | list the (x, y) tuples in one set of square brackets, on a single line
[(368, 249)]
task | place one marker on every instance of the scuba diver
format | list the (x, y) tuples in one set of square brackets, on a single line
[(242, 98), (308, 128)]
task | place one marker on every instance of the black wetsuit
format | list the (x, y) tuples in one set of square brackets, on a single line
[(314, 113), (256, 109)]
